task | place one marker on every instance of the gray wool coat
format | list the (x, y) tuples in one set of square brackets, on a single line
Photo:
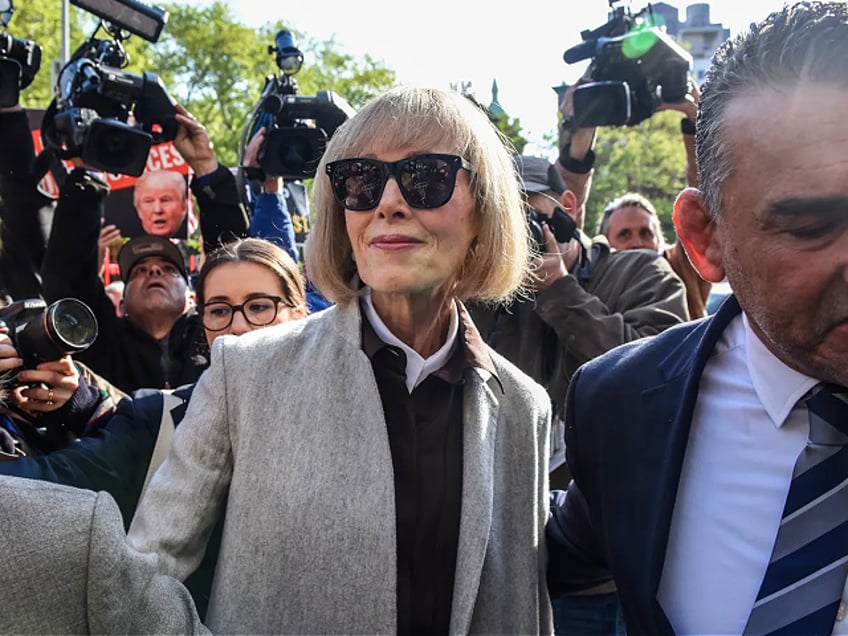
[(67, 568), (286, 428)]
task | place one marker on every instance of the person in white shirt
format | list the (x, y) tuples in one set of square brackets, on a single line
[(695, 485)]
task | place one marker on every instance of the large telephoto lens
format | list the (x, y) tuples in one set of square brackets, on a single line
[(65, 327)]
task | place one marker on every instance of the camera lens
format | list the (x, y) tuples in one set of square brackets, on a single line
[(113, 145), (72, 323)]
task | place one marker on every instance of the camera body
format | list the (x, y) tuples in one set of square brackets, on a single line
[(298, 126), (42, 332), (293, 148), (104, 115), (563, 227), (95, 101), (636, 67), (20, 60)]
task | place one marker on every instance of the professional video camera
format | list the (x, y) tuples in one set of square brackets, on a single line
[(636, 66), (292, 147), (561, 224), (41, 333), (109, 117), (20, 60)]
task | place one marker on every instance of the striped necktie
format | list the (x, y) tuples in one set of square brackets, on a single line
[(803, 584)]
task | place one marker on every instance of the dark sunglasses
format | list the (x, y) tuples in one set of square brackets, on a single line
[(425, 181)]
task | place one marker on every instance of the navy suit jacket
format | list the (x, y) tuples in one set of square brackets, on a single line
[(628, 416)]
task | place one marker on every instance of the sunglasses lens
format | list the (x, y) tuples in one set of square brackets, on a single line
[(357, 183), (426, 182)]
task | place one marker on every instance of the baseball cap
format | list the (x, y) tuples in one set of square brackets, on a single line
[(148, 245), (539, 175)]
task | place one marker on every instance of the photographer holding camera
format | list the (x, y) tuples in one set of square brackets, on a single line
[(586, 297), (46, 401), (631, 216), (270, 218)]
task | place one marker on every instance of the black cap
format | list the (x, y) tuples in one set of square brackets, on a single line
[(149, 245), (539, 175)]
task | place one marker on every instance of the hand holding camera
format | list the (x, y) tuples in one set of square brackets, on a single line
[(193, 143), (636, 67), (555, 262), (250, 162), (40, 338), (688, 105), (553, 236), (575, 140), (47, 387)]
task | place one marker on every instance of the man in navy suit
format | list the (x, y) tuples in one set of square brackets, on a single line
[(683, 447)]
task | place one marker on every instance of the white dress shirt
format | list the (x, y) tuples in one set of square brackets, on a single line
[(417, 367), (747, 431)]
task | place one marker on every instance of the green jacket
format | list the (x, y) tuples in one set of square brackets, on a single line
[(613, 297)]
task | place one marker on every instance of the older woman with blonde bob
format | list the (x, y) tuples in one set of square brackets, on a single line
[(383, 470)]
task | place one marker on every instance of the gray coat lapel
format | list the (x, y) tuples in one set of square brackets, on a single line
[(480, 418)]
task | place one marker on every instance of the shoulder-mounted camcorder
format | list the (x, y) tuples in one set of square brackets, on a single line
[(636, 66), (298, 126), (20, 60), (107, 116)]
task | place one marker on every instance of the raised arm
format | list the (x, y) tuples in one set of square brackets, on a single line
[(222, 215)]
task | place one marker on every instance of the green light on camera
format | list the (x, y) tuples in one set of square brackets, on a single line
[(638, 42)]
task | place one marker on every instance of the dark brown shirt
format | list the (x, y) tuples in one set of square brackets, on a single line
[(425, 437)]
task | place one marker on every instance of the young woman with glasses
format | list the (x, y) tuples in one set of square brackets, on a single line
[(383, 470)]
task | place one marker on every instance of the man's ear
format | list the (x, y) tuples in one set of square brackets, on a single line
[(699, 234), (569, 203)]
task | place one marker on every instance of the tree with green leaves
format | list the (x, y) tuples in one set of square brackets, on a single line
[(649, 158), (511, 128)]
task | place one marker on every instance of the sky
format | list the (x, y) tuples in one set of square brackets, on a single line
[(445, 42)]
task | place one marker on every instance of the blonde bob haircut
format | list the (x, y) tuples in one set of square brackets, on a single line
[(422, 120)]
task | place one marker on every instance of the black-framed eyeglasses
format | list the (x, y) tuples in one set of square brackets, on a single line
[(258, 311), (425, 181)]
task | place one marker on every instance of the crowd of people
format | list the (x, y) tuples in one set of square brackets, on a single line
[(360, 436)]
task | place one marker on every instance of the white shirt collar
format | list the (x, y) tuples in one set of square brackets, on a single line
[(417, 368), (778, 386)]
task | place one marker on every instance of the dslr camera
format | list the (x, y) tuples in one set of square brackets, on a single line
[(20, 60), (293, 146), (42, 332), (635, 66), (104, 115), (562, 226)]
